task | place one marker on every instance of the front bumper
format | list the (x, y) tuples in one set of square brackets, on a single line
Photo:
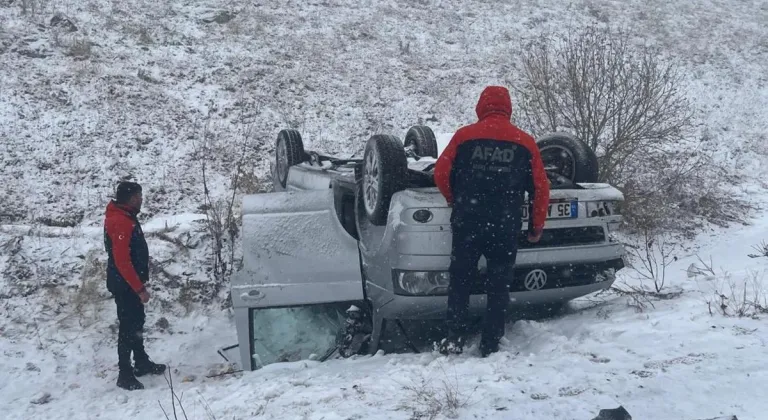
[(564, 282)]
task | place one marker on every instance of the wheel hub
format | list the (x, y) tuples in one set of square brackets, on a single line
[(371, 181), (560, 161), (282, 161)]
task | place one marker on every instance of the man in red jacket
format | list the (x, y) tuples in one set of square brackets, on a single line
[(483, 174), (127, 272)]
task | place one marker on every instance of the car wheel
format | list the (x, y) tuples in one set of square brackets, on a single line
[(289, 151), (569, 157), (385, 169), (421, 139)]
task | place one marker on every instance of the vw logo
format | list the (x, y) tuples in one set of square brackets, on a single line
[(535, 279)]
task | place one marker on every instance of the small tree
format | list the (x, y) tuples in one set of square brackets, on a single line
[(628, 104), (623, 100)]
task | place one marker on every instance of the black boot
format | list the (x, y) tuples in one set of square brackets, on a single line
[(147, 367), (126, 380)]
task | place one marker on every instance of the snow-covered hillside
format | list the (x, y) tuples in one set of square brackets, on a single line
[(132, 92), (126, 94)]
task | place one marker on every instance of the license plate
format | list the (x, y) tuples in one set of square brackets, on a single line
[(563, 210)]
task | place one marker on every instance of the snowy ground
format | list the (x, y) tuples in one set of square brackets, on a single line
[(672, 360), (120, 98)]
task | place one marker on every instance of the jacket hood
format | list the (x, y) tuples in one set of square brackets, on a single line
[(114, 208), (494, 100)]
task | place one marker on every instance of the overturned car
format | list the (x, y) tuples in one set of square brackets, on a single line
[(343, 246)]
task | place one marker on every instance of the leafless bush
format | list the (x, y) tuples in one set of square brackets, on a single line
[(222, 222), (651, 258), (629, 105), (175, 399), (184, 241), (706, 269), (655, 253), (177, 410), (622, 100), (733, 299), (762, 250)]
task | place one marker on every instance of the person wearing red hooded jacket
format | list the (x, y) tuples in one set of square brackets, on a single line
[(483, 174), (127, 273)]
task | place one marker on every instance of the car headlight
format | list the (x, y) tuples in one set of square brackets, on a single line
[(602, 208), (421, 283)]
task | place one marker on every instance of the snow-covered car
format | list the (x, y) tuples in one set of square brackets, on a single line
[(344, 245)]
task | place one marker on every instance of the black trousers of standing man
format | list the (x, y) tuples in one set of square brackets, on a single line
[(497, 241), (130, 315)]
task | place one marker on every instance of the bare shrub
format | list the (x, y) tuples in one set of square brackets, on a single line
[(740, 299), (650, 258), (706, 269), (176, 400), (86, 300), (654, 254), (628, 104), (762, 250), (177, 410), (428, 401), (622, 100), (222, 223)]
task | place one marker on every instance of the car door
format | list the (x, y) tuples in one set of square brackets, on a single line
[(300, 270)]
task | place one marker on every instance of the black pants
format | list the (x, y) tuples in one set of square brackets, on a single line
[(497, 241), (130, 315)]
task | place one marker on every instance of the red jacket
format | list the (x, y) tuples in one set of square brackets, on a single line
[(128, 262), (493, 145)]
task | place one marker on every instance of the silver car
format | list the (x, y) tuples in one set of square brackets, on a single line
[(344, 245)]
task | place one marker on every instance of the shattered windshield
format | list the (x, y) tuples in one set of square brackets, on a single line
[(295, 333)]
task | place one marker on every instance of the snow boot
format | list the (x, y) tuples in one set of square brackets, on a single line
[(128, 381), (147, 367)]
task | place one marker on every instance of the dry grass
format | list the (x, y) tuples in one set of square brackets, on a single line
[(86, 301), (741, 299), (79, 48), (427, 401)]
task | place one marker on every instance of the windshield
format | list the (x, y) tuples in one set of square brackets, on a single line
[(295, 333)]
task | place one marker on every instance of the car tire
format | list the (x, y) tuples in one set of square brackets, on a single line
[(422, 140), (289, 151), (569, 157), (384, 172)]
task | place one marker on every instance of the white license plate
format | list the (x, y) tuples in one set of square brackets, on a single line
[(564, 210)]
